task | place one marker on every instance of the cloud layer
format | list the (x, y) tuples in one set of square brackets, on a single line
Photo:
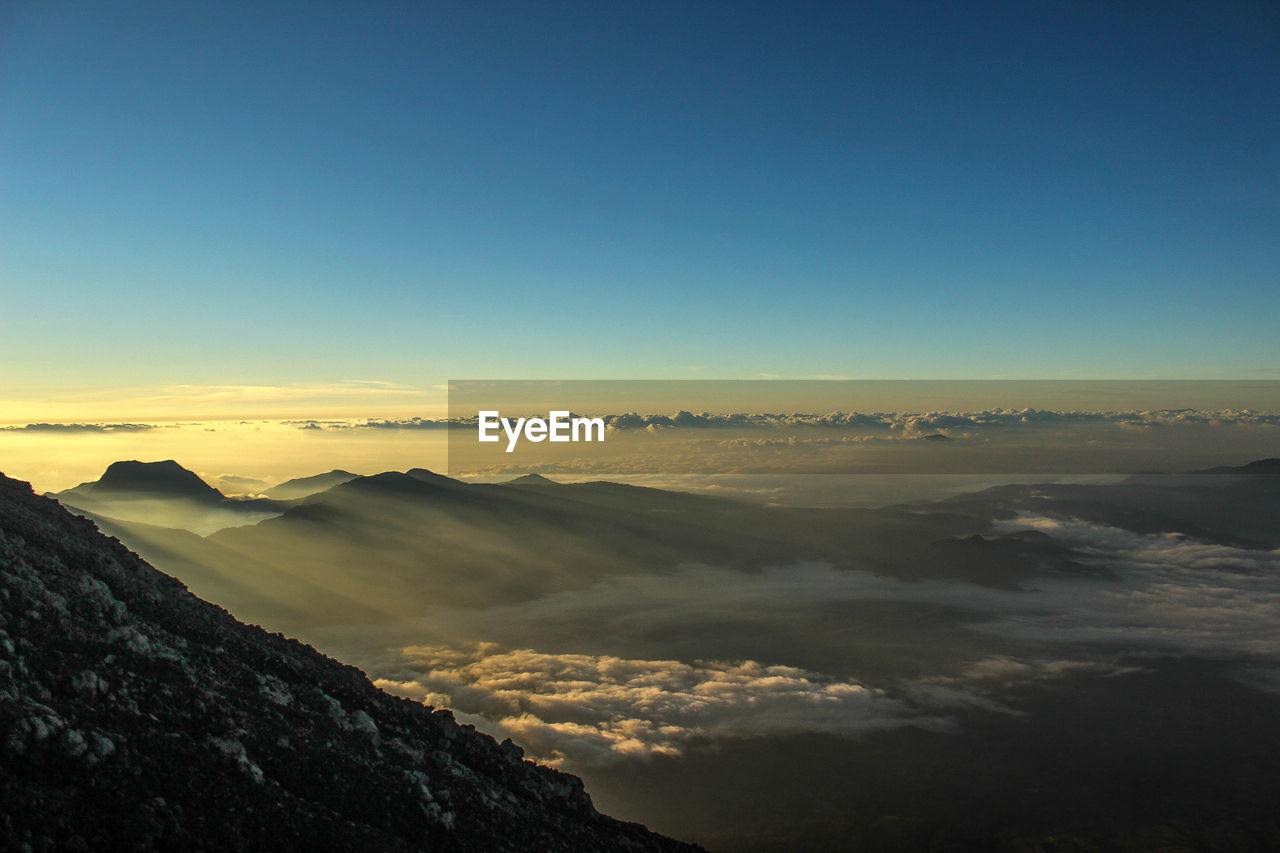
[(1176, 594), (921, 654), (597, 709), (80, 428), (909, 423)]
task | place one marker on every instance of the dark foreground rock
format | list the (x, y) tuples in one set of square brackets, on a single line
[(134, 715)]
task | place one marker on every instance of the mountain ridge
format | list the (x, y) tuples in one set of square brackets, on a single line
[(301, 487)]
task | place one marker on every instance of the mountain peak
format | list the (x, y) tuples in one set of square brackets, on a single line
[(531, 480), (1259, 467), (424, 476), (415, 482), (301, 487), (166, 478)]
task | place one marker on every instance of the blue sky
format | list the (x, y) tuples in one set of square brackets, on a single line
[(276, 194)]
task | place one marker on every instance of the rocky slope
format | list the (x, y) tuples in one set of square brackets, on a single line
[(134, 715)]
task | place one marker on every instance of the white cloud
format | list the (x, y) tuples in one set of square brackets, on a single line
[(1175, 593), (596, 709)]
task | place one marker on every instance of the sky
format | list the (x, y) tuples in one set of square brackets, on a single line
[(212, 209)]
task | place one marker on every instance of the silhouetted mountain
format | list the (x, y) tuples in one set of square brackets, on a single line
[(165, 494), (531, 480), (151, 479), (302, 487), (135, 716), (1258, 468), (425, 476), (401, 541), (392, 544)]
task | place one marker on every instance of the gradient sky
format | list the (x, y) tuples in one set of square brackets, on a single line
[(276, 195)]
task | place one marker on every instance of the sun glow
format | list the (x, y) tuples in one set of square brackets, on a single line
[(236, 456)]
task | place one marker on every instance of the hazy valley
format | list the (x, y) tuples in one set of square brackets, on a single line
[(1092, 663)]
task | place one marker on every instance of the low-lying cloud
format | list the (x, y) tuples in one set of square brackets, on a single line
[(927, 422), (910, 654), (374, 424), (594, 709), (236, 484), (1176, 593), (72, 428), (906, 423)]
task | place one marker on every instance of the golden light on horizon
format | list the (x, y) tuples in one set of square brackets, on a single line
[(239, 457), (151, 404)]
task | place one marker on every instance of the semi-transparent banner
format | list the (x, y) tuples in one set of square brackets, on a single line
[(595, 429)]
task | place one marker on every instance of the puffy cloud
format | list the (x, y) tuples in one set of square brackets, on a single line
[(376, 424), (1010, 442), (918, 422), (79, 428), (403, 423), (597, 709), (873, 422), (235, 484)]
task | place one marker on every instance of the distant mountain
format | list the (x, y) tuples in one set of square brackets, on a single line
[(150, 479), (1259, 468), (531, 480), (387, 546), (424, 476), (165, 494), (305, 486), (399, 542), (136, 716)]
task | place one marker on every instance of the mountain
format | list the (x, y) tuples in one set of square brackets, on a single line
[(531, 480), (1258, 468), (389, 545), (394, 543), (399, 542), (150, 479), (302, 487), (165, 494), (135, 716), (422, 475)]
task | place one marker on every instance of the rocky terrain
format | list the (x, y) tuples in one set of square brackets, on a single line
[(134, 715)]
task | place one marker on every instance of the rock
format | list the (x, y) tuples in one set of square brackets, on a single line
[(134, 715)]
